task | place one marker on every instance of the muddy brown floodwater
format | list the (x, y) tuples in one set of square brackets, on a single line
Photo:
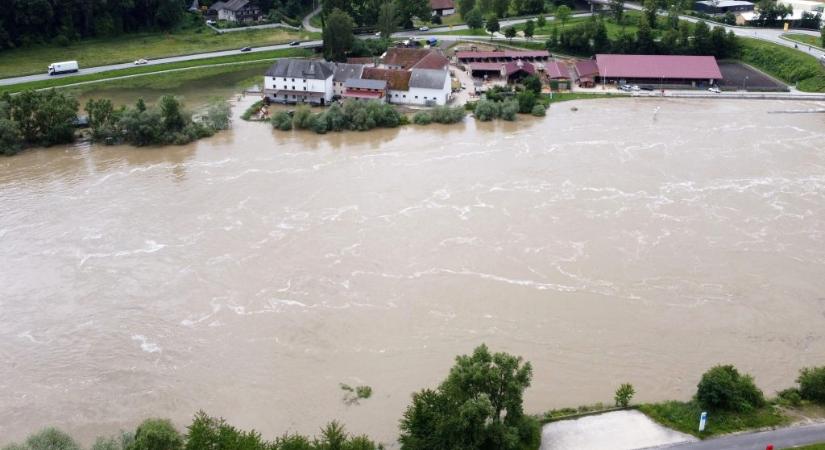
[(251, 273)]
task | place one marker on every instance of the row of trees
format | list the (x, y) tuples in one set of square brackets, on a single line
[(479, 406), (501, 8), (591, 37), (25, 22), (365, 13), (44, 118), (355, 116)]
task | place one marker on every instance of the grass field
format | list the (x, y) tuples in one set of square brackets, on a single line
[(684, 417), (805, 39), (98, 52), (473, 32), (139, 70), (787, 64)]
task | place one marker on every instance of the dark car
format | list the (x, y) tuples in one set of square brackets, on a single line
[(246, 49), (294, 43)]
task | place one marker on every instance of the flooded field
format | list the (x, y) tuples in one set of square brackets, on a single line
[(249, 274)]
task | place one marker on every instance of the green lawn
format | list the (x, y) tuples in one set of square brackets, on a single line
[(787, 64), (684, 417), (806, 39), (234, 59), (98, 52), (473, 32), (559, 97), (812, 447)]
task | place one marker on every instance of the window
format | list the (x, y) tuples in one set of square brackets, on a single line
[(305, 88), (293, 80), (416, 97)]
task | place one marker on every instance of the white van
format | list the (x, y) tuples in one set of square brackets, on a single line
[(63, 67)]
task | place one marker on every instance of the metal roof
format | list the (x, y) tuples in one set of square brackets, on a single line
[(725, 3), (310, 69), (344, 71), (428, 78), (507, 54), (555, 69), (658, 66), (358, 83)]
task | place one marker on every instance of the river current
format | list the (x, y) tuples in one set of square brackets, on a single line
[(251, 273)]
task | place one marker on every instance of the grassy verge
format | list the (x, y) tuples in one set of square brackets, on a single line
[(559, 97), (247, 115), (684, 417), (139, 70), (805, 39), (126, 48), (787, 64), (812, 447), (470, 32)]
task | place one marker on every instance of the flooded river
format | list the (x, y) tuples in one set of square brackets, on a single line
[(251, 273)]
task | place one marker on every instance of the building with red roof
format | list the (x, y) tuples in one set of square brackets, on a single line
[(658, 69), (442, 7), (475, 56)]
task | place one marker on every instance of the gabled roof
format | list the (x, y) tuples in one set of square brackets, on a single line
[(310, 69), (442, 4), (587, 68), (232, 5), (397, 79), (433, 60), (555, 70), (344, 72), (356, 83), (519, 66), (506, 54), (428, 78), (678, 67), (405, 58)]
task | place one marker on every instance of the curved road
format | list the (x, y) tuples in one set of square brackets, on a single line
[(307, 25), (766, 34)]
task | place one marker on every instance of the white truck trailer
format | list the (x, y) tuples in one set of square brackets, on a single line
[(63, 67)]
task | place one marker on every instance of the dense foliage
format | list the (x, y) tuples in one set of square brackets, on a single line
[(724, 388), (366, 13), (440, 114), (812, 384), (478, 406), (353, 115), (36, 118), (785, 63), (24, 22), (338, 35)]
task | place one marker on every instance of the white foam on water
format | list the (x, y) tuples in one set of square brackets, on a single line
[(151, 247), (145, 345)]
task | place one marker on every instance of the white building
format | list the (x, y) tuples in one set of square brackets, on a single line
[(344, 72), (429, 87), (299, 81)]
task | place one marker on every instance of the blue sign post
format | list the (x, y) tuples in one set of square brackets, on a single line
[(702, 420)]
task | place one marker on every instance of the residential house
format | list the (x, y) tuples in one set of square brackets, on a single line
[(234, 11), (586, 72), (442, 7), (398, 82), (363, 89), (299, 81), (429, 87), (344, 72)]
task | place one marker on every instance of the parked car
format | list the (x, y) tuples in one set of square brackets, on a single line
[(294, 43), (647, 88), (246, 49), (424, 29), (635, 88), (377, 34), (715, 90), (141, 62), (210, 22), (625, 87)]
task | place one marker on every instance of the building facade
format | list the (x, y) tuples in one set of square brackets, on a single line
[(299, 81), (234, 11)]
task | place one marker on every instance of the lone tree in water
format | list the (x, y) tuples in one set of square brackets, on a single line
[(478, 406), (338, 36)]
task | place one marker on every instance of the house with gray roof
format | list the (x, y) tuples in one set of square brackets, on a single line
[(234, 11), (344, 72), (299, 81), (429, 87)]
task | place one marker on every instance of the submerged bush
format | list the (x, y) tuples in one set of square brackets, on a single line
[(446, 114), (11, 139), (422, 118), (157, 434), (812, 384), (539, 111), (281, 121), (723, 388)]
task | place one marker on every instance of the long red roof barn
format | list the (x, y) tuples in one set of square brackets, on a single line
[(659, 67)]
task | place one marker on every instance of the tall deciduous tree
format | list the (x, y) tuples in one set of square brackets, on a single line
[(510, 33), (387, 19), (529, 29), (493, 25), (501, 7), (465, 6), (337, 35), (563, 14), (617, 10), (478, 406), (650, 12), (644, 37), (474, 19), (407, 9)]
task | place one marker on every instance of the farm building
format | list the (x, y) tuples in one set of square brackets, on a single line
[(474, 56), (658, 69), (442, 7), (723, 6)]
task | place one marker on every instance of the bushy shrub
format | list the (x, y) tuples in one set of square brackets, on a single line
[(723, 388), (122, 442), (11, 139), (217, 116), (509, 109), (302, 118), (624, 394), (446, 114), (539, 111), (790, 397), (281, 121), (422, 118), (487, 110), (207, 432), (51, 439), (157, 434), (812, 384), (526, 101)]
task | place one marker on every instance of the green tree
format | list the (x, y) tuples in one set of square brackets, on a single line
[(812, 384), (207, 432), (387, 19), (510, 33), (407, 9), (617, 10), (474, 19), (563, 13), (601, 41), (526, 101), (478, 406), (157, 434), (51, 439), (532, 83), (337, 35), (171, 113), (101, 116), (701, 43), (11, 139), (465, 6), (501, 7), (723, 388), (169, 13), (719, 42), (673, 17), (529, 29), (218, 115), (624, 394), (650, 9), (493, 25), (541, 21), (644, 37), (486, 6)]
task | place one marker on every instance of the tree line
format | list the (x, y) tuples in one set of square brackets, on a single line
[(478, 406), (45, 118), (27, 22)]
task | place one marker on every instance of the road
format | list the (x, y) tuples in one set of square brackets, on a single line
[(307, 25), (781, 438), (159, 61)]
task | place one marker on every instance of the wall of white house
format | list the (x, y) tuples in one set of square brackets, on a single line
[(225, 14), (300, 84)]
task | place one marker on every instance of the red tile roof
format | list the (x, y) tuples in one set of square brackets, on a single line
[(555, 70), (506, 54), (405, 58), (433, 60), (442, 4), (658, 66), (397, 79)]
